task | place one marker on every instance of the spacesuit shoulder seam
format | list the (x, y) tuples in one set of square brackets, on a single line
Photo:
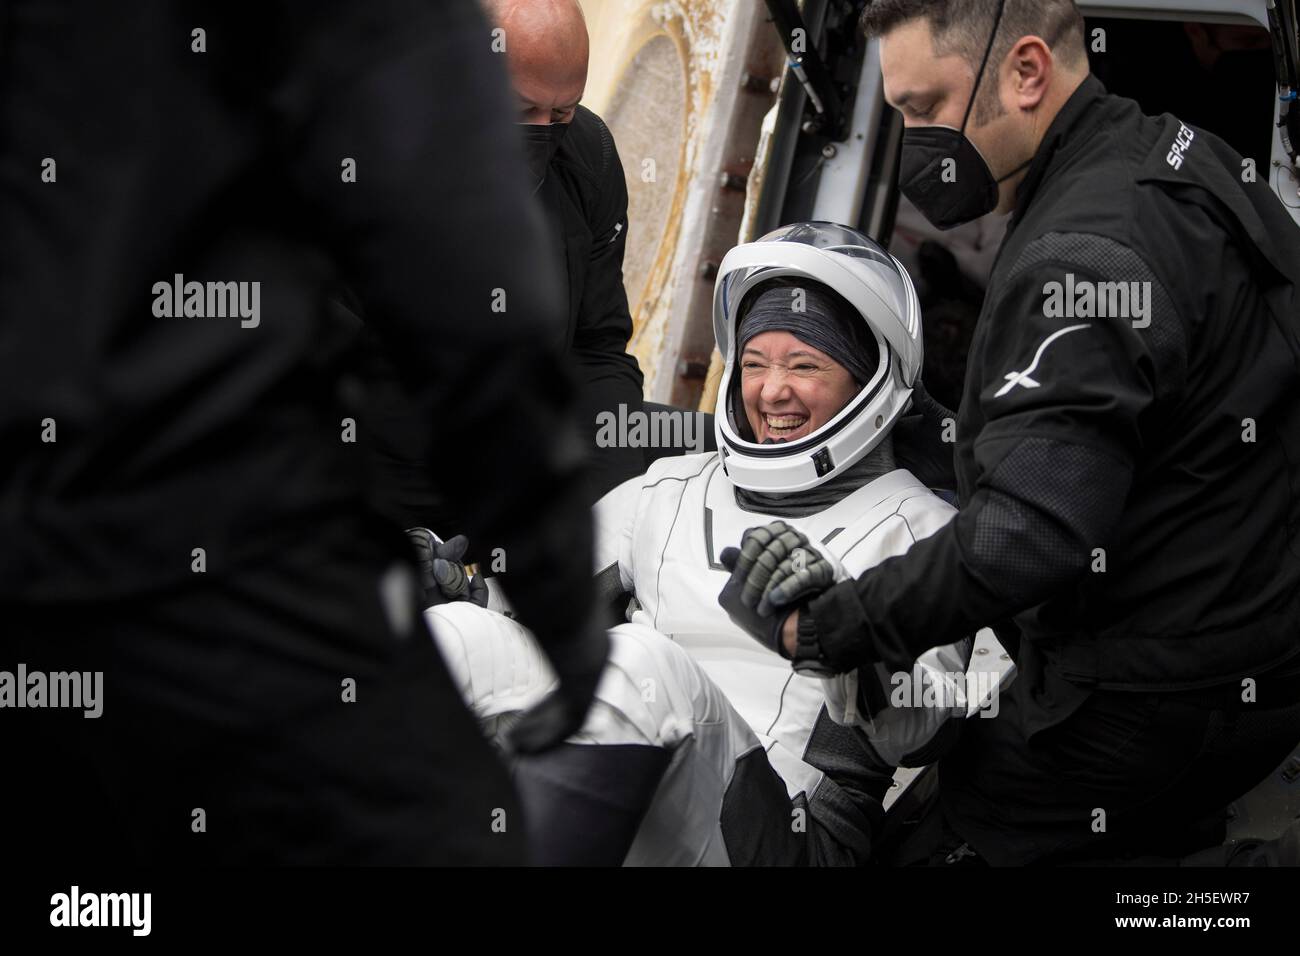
[(929, 506), (676, 463)]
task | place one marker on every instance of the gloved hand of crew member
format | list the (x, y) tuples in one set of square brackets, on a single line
[(443, 577), (773, 572), (919, 440), (923, 403)]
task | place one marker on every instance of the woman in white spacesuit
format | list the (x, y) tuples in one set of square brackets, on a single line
[(703, 746)]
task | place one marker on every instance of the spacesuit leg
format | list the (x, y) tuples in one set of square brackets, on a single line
[(652, 696)]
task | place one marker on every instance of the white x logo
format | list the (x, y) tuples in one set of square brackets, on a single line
[(1023, 378)]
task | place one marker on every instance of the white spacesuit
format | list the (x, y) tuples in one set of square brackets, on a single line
[(682, 677)]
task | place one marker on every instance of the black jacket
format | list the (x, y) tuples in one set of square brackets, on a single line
[(584, 200), (1117, 520), (227, 165)]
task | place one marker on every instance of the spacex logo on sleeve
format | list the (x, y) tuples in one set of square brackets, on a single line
[(1023, 378)]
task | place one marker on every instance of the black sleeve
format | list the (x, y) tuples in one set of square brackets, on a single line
[(442, 245), (608, 375), (1061, 399)]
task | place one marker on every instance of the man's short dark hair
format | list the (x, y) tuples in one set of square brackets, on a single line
[(962, 27)]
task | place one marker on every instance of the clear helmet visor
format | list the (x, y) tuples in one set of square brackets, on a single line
[(842, 259), (879, 294)]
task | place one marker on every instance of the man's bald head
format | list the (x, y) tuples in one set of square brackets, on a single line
[(546, 48)]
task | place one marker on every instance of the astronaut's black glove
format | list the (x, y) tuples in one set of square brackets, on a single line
[(773, 572), (739, 597), (443, 577), (800, 577)]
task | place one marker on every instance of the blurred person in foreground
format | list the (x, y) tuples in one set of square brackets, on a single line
[(183, 510)]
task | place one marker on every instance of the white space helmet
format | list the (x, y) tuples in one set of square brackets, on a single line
[(880, 291)]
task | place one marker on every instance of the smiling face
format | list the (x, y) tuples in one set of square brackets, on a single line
[(790, 389)]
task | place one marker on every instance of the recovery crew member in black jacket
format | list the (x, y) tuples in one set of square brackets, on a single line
[(1127, 447), (575, 172)]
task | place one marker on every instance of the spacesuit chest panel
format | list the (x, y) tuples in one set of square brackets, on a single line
[(685, 518), (684, 524)]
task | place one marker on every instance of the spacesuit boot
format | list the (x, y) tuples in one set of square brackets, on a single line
[(583, 803)]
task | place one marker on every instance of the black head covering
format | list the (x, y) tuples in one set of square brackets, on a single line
[(826, 322)]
